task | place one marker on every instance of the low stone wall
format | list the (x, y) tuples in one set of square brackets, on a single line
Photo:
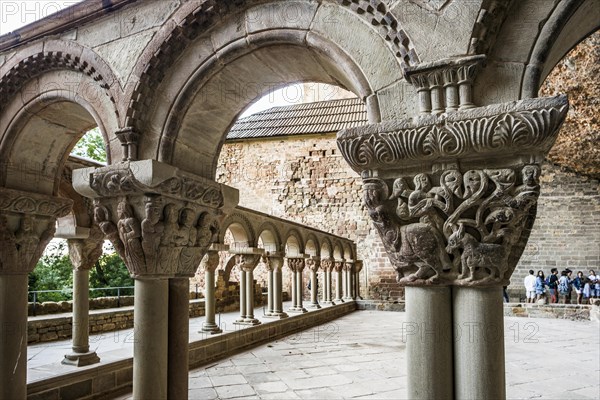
[(574, 312), (113, 379), (380, 305), (99, 303)]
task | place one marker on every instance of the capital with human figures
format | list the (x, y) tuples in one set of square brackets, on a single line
[(454, 196), (160, 220)]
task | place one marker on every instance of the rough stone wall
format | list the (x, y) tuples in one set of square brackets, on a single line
[(566, 232), (305, 179)]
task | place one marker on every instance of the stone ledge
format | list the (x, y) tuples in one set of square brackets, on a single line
[(380, 305), (115, 378), (573, 312)]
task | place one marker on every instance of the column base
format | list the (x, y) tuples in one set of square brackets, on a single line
[(297, 310), (347, 299), (211, 328), (81, 359), (338, 300), (314, 306), (328, 303), (276, 315)]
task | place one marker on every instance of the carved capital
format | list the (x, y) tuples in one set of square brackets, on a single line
[(296, 264), (84, 253), (27, 224), (313, 264), (454, 201), (327, 264), (247, 262), (210, 261), (273, 262), (358, 266), (157, 235), (338, 265)]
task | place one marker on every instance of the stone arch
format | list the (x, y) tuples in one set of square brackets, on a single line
[(270, 236), (348, 253), (293, 243), (228, 59), (312, 245), (338, 250), (566, 27), (240, 228), (39, 128), (326, 248), (228, 267)]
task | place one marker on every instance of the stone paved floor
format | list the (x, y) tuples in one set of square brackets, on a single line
[(362, 356)]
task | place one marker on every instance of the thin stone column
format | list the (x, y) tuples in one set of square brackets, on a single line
[(83, 254), (179, 333), (247, 262), (338, 281), (314, 264), (209, 263), (327, 265), (427, 333), (270, 288), (479, 343), (357, 268), (296, 265), (274, 264), (150, 350), (347, 271), (27, 224)]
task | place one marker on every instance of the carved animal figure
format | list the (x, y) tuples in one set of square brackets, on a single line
[(490, 256)]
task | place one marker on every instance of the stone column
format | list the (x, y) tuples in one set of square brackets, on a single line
[(314, 264), (296, 264), (479, 342), (338, 265), (455, 235), (347, 271), (161, 227), (27, 224), (275, 264), (270, 288), (327, 265), (209, 264), (358, 266), (84, 253), (247, 261), (427, 333)]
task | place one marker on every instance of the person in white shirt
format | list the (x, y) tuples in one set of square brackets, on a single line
[(529, 283)]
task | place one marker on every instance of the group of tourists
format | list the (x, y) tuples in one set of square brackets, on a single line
[(556, 287)]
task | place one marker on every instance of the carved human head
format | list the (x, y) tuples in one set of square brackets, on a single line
[(124, 210), (153, 211), (530, 174), (187, 217)]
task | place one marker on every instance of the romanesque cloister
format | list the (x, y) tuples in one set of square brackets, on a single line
[(449, 161)]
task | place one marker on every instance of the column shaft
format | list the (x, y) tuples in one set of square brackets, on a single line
[(314, 289), (13, 337), (250, 298), (428, 336), (270, 293), (324, 287), (150, 349), (242, 296), (294, 291), (179, 322), (479, 343), (278, 293), (338, 286), (299, 289), (209, 324)]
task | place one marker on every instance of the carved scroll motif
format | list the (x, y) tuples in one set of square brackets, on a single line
[(170, 239), (468, 229)]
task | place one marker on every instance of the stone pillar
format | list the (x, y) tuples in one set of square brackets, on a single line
[(459, 228), (338, 265), (478, 343), (209, 264), (247, 261), (358, 266), (178, 339), (314, 264), (327, 265), (296, 264), (27, 224), (84, 253), (347, 273), (270, 288), (427, 333), (274, 264), (161, 227)]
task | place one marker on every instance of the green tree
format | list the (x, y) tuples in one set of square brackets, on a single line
[(91, 146), (53, 272), (110, 271)]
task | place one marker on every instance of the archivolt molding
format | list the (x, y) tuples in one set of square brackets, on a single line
[(190, 23), (244, 221), (63, 56), (272, 228), (489, 20), (293, 232)]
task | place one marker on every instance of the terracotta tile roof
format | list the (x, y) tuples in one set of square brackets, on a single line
[(301, 119)]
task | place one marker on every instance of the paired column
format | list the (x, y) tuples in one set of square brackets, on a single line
[(296, 265), (348, 289), (246, 263), (84, 253), (314, 264), (339, 266), (358, 266), (161, 228), (209, 264), (327, 265), (27, 224), (274, 265)]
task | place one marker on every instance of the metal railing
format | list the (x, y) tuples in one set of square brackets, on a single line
[(68, 294)]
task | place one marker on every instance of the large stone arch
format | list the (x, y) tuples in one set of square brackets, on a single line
[(241, 229), (271, 237), (229, 57)]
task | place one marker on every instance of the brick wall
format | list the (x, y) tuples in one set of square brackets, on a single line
[(305, 179)]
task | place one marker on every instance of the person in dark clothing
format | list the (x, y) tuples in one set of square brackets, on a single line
[(553, 285)]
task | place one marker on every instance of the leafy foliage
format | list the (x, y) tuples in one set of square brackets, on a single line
[(53, 272), (110, 271), (91, 146)]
